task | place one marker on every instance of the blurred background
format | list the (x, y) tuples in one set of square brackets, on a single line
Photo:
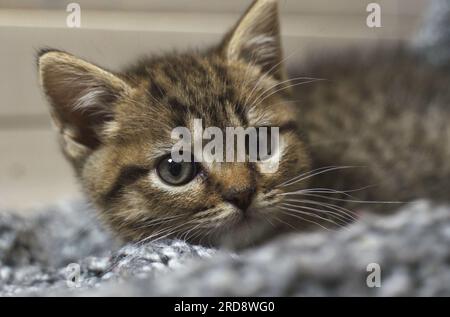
[(113, 33)]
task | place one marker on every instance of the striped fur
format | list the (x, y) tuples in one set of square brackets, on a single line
[(115, 127)]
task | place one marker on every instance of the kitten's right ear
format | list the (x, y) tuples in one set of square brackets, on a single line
[(81, 96), (256, 38)]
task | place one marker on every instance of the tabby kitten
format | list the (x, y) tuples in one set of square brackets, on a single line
[(364, 125)]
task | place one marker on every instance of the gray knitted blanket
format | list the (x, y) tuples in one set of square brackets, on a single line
[(43, 254), (63, 251)]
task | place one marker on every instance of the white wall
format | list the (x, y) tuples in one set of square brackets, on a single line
[(115, 32)]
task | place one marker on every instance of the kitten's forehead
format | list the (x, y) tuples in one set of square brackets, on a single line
[(178, 89), (197, 87)]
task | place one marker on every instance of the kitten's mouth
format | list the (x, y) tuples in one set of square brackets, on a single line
[(246, 218)]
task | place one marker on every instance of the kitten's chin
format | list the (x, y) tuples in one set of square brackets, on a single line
[(248, 231)]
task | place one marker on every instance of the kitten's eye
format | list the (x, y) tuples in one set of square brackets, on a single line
[(176, 173)]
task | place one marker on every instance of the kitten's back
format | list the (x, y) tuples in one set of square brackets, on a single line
[(385, 111)]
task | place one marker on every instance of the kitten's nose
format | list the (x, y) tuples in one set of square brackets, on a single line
[(241, 198)]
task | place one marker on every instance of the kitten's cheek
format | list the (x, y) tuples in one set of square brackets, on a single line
[(268, 199)]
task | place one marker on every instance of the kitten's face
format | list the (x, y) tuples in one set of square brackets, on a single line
[(136, 184), (116, 130)]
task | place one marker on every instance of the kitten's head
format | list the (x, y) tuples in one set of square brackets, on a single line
[(115, 128)]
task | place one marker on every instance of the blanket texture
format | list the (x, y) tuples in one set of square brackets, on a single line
[(62, 250), (412, 248)]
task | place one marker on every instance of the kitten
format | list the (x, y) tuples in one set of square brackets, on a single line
[(378, 119)]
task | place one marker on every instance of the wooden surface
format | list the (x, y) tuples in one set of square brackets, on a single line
[(113, 33)]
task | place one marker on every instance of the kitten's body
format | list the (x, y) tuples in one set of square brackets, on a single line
[(384, 114), (388, 113)]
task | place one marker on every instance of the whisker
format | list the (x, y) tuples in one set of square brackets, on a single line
[(186, 234), (348, 213), (335, 191), (168, 234), (334, 168), (137, 244), (195, 234), (261, 98), (303, 174), (302, 208), (303, 212), (247, 78), (205, 235), (158, 221), (288, 211), (346, 200), (166, 231), (254, 102), (267, 219), (284, 222), (269, 72)]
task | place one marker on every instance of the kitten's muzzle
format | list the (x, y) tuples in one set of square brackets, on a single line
[(241, 198)]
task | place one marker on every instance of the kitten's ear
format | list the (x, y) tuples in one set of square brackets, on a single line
[(81, 96), (256, 38)]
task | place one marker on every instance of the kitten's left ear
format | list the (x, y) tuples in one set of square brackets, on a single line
[(82, 98), (255, 38)]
